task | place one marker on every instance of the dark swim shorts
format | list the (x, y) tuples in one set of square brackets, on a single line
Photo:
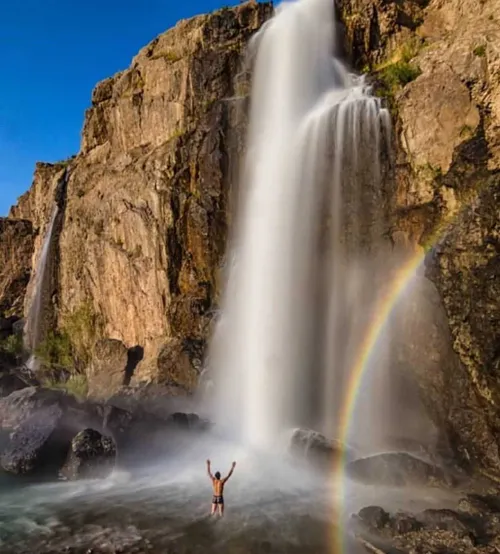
[(218, 500)]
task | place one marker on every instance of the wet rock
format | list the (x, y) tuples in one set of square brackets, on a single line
[(375, 521), (312, 446), (402, 523), (397, 469), (91, 456), (374, 517), (188, 422), (39, 444)]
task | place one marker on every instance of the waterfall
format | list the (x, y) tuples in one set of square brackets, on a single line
[(308, 244), (41, 308), (33, 325)]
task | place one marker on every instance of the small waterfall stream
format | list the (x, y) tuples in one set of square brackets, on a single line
[(32, 330), (44, 286)]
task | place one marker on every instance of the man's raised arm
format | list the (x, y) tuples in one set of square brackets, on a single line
[(208, 470), (230, 472)]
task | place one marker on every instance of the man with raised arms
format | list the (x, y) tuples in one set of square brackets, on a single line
[(218, 488)]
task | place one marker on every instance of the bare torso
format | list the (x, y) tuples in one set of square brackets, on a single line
[(218, 485)]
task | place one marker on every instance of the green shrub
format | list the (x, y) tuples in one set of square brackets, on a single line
[(55, 351), (480, 51), (83, 327), (76, 385), (399, 74), (410, 49), (13, 345)]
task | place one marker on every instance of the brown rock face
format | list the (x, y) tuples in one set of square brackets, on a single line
[(106, 372), (148, 199), (438, 62), (146, 209), (16, 250), (466, 270)]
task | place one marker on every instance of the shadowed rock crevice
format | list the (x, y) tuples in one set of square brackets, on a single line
[(134, 356)]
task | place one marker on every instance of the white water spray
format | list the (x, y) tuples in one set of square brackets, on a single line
[(310, 205)]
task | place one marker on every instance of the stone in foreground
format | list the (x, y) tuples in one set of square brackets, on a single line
[(91, 456), (38, 445), (433, 530)]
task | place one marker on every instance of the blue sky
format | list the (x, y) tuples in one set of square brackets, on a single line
[(53, 53)]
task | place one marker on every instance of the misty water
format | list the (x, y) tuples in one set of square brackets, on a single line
[(273, 504), (309, 266)]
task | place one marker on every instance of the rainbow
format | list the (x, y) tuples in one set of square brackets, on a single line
[(386, 305)]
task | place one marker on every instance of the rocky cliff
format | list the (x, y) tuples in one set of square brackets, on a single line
[(147, 203), (146, 212), (16, 250), (437, 63)]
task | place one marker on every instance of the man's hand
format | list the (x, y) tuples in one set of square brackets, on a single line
[(208, 462)]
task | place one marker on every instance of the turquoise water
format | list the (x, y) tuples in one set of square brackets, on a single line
[(270, 507)]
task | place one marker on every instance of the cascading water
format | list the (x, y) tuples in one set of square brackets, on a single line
[(33, 327), (301, 287), (40, 312)]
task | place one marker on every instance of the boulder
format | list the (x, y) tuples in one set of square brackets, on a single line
[(42, 423), (187, 422), (21, 405), (374, 517), (314, 447), (374, 520), (397, 469), (91, 455), (38, 445)]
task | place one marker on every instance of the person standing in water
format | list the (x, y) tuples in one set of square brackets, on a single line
[(218, 488)]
